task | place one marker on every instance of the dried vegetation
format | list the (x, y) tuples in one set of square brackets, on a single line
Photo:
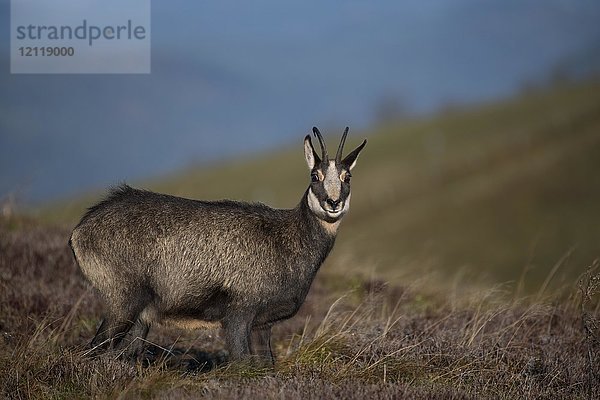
[(373, 341)]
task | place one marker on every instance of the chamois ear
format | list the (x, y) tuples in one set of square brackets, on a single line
[(310, 154), (350, 160)]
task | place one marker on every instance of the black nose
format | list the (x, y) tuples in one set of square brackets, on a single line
[(333, 203)]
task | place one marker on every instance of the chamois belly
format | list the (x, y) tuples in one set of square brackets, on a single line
[(280, 309), (189, 323), (183, 318)]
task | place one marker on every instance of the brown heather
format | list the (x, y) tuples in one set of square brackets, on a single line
[(373, 341)]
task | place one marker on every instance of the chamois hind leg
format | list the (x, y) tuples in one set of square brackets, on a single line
[(136, 339), (260, 345), (117, 322), (112, 330)]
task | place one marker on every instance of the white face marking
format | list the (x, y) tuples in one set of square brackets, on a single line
[(315, 206), (330, 227), (313, 203), (346, 204), (332, 183)]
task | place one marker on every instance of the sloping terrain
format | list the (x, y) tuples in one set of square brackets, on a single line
[(504, 191), (507, 191), (353, 338)]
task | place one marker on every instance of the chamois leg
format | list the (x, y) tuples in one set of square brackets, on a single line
[(136, 342), (237, 335), (117, 322), (261, 345), (111, 332)]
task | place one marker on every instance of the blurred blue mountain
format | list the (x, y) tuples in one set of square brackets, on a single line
[(231, 78)]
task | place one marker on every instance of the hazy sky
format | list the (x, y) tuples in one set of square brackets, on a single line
[(234, 77)]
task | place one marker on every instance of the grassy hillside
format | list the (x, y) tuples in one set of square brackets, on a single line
[(499, 191), (353, 338), (489, 193)]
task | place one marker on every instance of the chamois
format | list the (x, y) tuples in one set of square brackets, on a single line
[(156, 258)]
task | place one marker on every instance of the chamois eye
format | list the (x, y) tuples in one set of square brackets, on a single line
[(347, 177), (314, 178)]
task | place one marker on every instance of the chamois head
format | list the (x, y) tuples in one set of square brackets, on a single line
[(329, 191)]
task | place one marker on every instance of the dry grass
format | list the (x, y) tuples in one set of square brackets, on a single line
[(374, 341)]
